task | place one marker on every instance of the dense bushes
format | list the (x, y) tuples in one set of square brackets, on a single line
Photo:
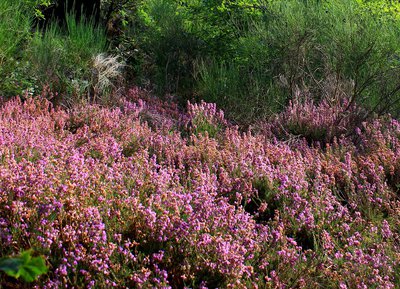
[(176, 35), (251, 57), (14, 32)]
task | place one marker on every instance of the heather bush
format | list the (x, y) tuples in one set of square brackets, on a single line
[(324, 122), (145, 195), (140, 192), (205, 118)]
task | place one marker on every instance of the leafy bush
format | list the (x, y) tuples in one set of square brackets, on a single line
[(168, 46), (300, 45), (174, 35)]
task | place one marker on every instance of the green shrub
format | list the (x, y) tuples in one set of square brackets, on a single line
[(169, 49), (174, 36), (14, 29), (244, 93), (251, 56), (303, 45)]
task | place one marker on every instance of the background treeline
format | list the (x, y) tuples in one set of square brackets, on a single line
[(251, 57)]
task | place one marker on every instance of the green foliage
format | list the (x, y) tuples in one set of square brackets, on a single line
[(25, 266), (169, 49), (13, 28), (63, 59), (219, 22), (250, 57), (35, 5), (385, 8), (14, 33), (202, 126), (176, 35), (59, 57), (245, 92), (304, 45)]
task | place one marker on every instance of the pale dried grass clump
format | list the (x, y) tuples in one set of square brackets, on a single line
[(107, 74)]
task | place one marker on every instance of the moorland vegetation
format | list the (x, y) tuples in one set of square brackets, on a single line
[(200, 144)]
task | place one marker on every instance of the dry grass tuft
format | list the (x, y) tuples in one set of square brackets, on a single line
[(107, 74)]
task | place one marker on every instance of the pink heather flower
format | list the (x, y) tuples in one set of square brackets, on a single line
[(62, 270), (91, 284), (203, 285), (276, 234), (95, 189), (386, 232), (327, 241), (158, 256), (263, 207), (362, 286), (338, 255)]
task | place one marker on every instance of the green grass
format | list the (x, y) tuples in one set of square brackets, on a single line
[(63, 57), (14, 35), (60, 57)]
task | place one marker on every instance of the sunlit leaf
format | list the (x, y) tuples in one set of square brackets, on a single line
[(24, 266)]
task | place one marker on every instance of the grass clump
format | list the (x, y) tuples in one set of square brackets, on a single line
[(67, 57), (64, 57)]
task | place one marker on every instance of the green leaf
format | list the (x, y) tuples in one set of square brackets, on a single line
[(24, 266), (11, 266)]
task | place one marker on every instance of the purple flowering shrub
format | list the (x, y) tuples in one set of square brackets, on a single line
[(146, 196), (316, 122)]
